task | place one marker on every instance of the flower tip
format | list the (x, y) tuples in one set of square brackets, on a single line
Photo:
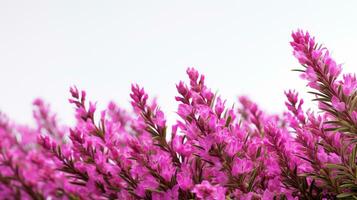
[(74, 92), (37, 102), (192, 73)]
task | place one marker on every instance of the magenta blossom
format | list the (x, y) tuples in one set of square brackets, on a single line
[(214, 150)]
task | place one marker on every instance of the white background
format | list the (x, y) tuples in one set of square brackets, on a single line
[(103, 46)]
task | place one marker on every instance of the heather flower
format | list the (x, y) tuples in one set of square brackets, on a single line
[(242, 166), (181, 147), (213, 150), (210, 192), (325, 71), (349, 84), (337, 104), (184, 178), (171, 194)]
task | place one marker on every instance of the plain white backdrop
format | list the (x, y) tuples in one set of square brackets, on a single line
[(103, 46)]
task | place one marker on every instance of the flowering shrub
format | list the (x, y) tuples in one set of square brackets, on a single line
[(213, 151)]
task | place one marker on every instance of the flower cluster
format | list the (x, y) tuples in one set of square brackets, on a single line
[(213, 151)]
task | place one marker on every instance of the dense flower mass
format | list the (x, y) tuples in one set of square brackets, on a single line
[(213, 151)]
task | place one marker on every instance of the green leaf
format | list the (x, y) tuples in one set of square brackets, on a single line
[(228, 121), (345, 195), (258, 152), (252, 179), (321, 99), (318, 94), (336, 166), (347, 185), (298, 70), (353, 103), (353, 157), (332, 122)]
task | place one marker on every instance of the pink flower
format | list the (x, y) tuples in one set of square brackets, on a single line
[(219, 108), (149, 183), (268, 195), (233, 146), (242, 166), (184, 110), (337, 104), (183, 148), (160, 118), (207, 191), (138, 96), (46, 142), (349, 84), (184, 178), (171, 194), (211, 152), (334, 69)]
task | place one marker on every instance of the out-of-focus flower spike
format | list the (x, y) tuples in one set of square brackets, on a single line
[(74, 92), (46, 142)]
